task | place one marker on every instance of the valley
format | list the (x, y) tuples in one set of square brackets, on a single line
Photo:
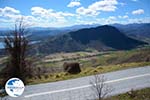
[(97, 50)]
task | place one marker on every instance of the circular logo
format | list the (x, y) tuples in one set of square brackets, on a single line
[(14, 87)]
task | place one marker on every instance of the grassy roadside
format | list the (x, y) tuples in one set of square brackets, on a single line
[(85, 72), (143, 94)]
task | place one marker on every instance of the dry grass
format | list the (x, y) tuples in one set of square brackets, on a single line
[(85, 72), (143, 94)]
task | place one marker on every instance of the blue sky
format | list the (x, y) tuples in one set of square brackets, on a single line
[(61, 13)]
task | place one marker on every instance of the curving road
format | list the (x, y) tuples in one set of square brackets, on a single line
[(80, 89)]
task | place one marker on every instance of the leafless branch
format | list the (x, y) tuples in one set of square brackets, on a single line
[(99, 87)]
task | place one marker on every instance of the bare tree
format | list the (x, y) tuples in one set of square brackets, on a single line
[(16, 46), (99, 87)]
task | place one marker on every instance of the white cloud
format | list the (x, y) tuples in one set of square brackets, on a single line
[(93, 9), (139, 20), (9, 12), (108, 20), (126, 16), (39, 17), (38, 11), (123, 17), (101, 21), (49, 13), (138, 12), (1, 11), (9, 15), (111, 19), (104, 5), (88, 12), (66, 14), (74, 3), (50, 16)]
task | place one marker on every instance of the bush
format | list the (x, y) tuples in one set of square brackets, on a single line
[(72, 68), (132, 93), (46, 76)]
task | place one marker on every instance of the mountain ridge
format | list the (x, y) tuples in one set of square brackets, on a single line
[(101, 38)]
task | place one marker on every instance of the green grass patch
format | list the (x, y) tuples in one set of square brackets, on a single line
[(143, 94)]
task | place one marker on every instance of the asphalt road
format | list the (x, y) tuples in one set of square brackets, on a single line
[(80, 88)]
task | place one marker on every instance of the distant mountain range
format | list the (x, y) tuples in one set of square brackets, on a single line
[(82, 37), (138, 31), (100, 38), (42, 33), (142, 29)]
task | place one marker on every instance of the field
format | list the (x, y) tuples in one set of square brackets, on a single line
[(96, 63), (91, 62), (95, 58)]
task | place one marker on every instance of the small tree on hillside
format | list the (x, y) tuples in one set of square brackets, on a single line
[(16, 45)]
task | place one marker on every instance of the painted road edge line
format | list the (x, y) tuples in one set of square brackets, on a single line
[(85, 86)]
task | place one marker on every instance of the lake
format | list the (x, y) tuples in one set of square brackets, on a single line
[(1, 45), (33, 42)]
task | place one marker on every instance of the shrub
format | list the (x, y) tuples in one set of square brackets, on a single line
[(72, 68)]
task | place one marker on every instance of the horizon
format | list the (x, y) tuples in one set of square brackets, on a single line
[(96, 25), (44, 13)]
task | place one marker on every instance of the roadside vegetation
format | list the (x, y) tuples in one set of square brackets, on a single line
[(100, 88), (143, 94), (107, 62), (16, 47), (85, 72)]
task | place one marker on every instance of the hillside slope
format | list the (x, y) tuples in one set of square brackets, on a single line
[(99, 38)]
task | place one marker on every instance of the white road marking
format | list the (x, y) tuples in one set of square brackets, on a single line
[(85, 86)]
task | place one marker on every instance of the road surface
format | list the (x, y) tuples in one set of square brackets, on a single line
[(80, 88)]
